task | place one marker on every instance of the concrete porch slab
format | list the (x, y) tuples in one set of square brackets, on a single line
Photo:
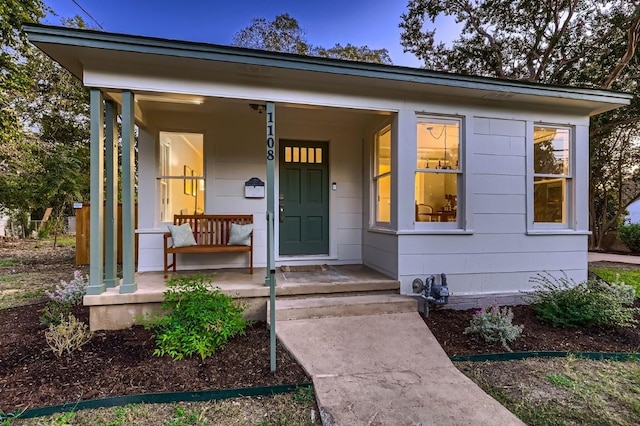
[(112, 310)]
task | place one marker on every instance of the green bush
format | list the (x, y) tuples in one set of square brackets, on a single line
[(494, 324), (629, 234), (199, 319), (562, 302)]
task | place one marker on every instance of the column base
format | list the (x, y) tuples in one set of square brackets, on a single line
[(96, 289), (128, 288)]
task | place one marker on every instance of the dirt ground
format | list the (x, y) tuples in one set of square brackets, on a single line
[(121, 362)]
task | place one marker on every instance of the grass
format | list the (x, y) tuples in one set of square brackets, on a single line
[(9, 262), (282, 410), (564, 391), (22, 288), (612, 275)]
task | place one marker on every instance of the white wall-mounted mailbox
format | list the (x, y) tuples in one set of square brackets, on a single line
[(254, 188)]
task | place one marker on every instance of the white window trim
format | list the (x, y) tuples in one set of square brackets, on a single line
[(373, 207), (544, 228), (463, 225)]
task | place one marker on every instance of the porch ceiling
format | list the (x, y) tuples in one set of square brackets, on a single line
[(147, 110), (107, 54)]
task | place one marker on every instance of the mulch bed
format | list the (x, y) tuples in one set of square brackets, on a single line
[(448, 326), (121, 362)]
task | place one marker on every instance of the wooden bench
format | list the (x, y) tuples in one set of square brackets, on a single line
[(211, 232)]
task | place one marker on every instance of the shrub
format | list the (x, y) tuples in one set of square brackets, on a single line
[(200, 319), (63, 298), (494, 324), (562, 302), (54, 312), (629, 233), (626, 294), (67, 336)]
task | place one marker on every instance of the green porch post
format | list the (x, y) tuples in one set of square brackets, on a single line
[(271, 196), (96, 253), (111, 205), (128, 195)]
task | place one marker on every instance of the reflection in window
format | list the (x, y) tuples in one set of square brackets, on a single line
[(551, 174), (294, 154), (438, 176), (181, 177), (382, 176)]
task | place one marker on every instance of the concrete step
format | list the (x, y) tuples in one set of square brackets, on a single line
[(320, 307)]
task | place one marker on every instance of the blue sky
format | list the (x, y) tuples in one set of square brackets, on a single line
[(373, 23)]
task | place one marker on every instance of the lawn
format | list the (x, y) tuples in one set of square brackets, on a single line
[(628, 276)]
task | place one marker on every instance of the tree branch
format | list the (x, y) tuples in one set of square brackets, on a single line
[(497, 51), (633, 36), (555, 37)]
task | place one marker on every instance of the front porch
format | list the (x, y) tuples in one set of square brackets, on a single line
[(113, 310)]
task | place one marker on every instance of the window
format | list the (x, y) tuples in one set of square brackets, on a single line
[(552, 174), (181, 180), (382, 176), (438, 178), (295, 154)]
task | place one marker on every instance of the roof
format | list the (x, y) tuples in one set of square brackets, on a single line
[(72, 49)]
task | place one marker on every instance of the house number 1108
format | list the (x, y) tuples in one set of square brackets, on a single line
[(271, 142)]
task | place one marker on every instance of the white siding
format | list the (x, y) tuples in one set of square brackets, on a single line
[(497, 257), (234, 152)]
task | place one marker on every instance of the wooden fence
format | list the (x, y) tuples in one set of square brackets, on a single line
[(83, 227)]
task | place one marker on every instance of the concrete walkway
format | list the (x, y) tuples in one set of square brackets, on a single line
[(610, 257), (386, 369)]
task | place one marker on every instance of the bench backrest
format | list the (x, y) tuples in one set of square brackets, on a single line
[(212, 229)]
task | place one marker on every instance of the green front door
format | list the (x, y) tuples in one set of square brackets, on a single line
[(304, 198)]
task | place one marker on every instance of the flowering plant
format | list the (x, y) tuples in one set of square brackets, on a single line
[(70, 292), (494, 324)]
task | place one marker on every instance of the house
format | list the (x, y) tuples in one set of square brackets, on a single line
[(407, 171)]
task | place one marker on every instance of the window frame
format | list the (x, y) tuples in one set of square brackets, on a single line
[(569, 188), (375, 177), (169, 182), (461, 172)]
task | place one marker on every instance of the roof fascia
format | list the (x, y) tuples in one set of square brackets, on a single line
[(156, 46)]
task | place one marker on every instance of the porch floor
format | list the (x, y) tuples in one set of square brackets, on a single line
[(239, 284)]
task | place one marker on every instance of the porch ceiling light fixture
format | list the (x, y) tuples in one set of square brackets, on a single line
[(170, 99), (258, 107)]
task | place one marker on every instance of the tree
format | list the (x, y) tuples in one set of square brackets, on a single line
[(353, 53), (47, 166), (284, 34), (590, 43), (13, 77)]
